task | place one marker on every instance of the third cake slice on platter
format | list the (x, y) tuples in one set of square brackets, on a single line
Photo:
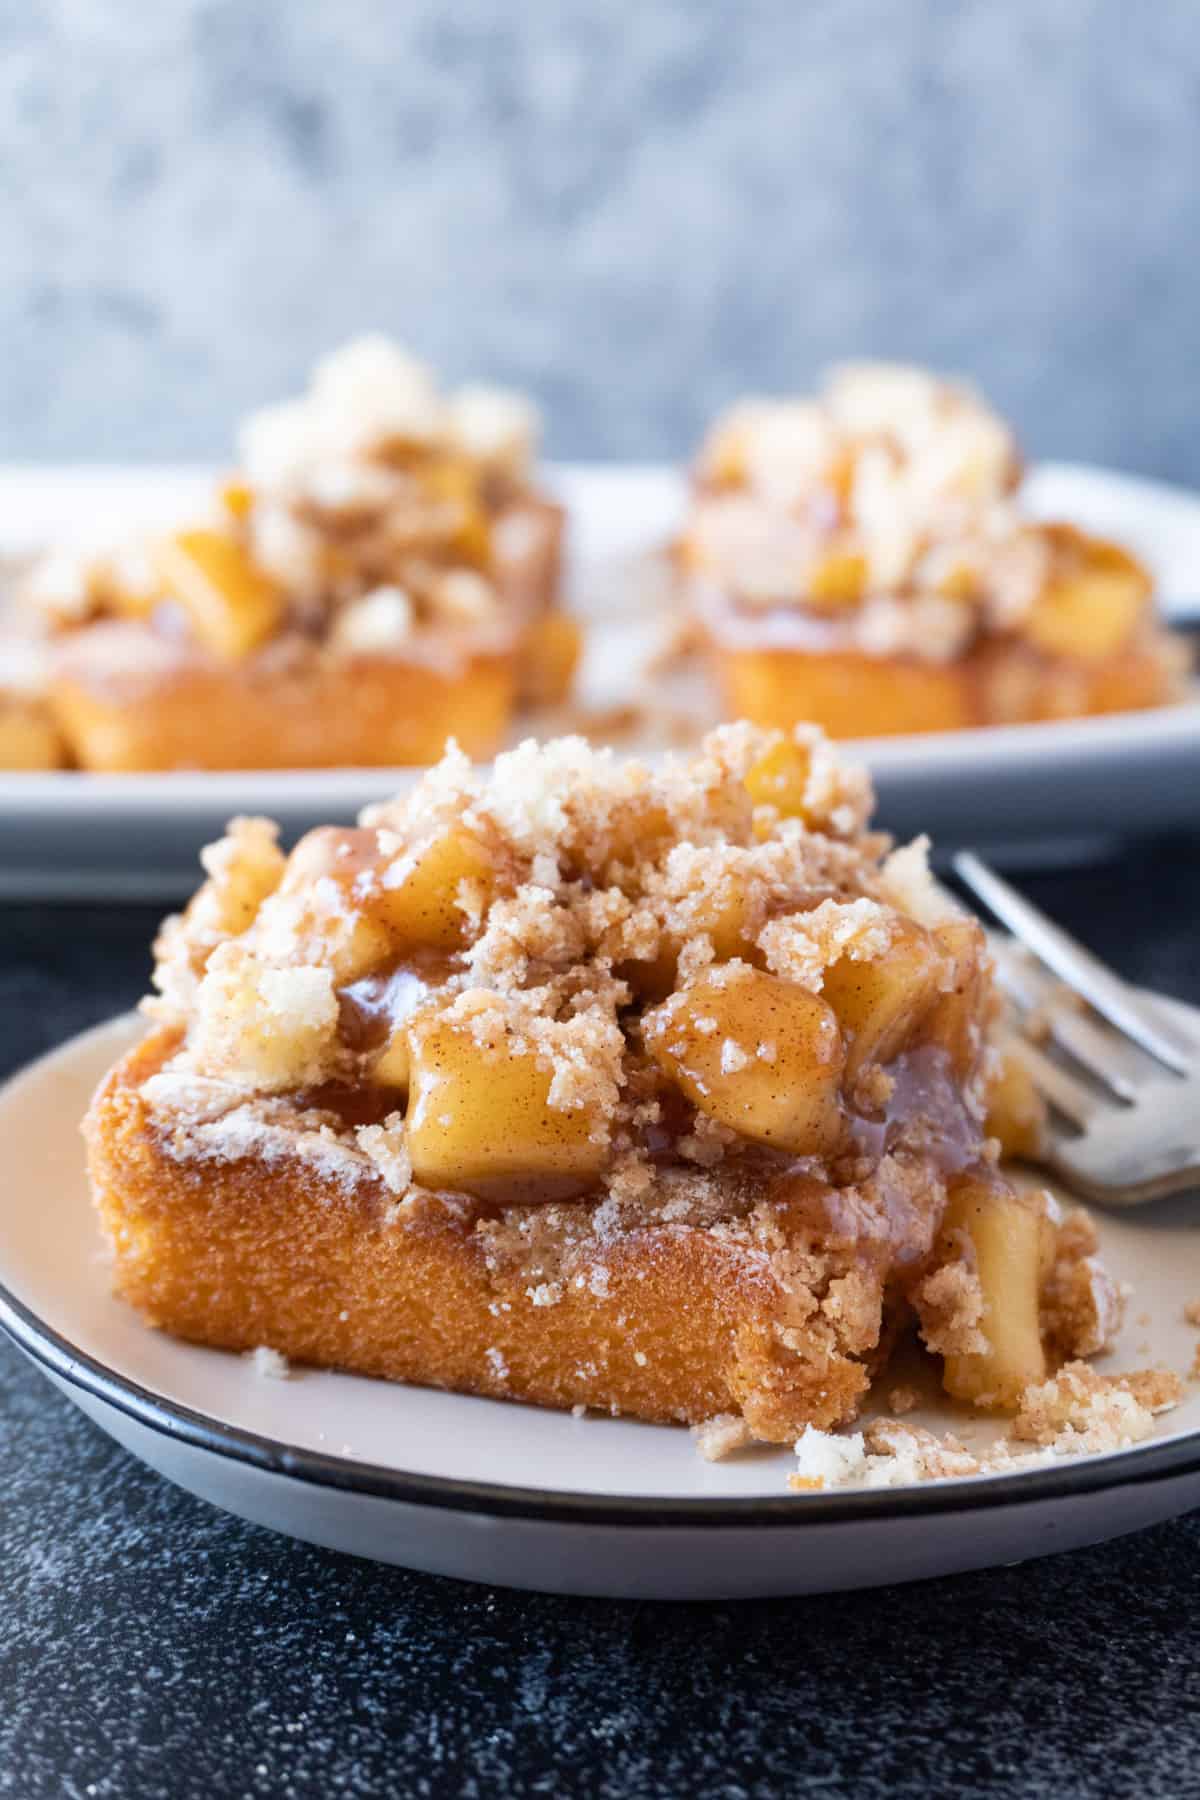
[(862, 558)]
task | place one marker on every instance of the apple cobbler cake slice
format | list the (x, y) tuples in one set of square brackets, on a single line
[(863, 558), (576, 1082), (382, 572)]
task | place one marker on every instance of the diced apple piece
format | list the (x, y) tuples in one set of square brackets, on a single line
[(237, 497), (231, 604), (421, 893), (761, 1055), (1016, 1114), (780, 779), (340, 851), (882, 1001), (412, 903), (836, 580), (958, 580), (1048, 1230), (352, 939), (1089, 618), (956, 1021), (480, 1122), (1091, 615), (393, 1065), (455, 483), (1005, 1229), (360, 948)]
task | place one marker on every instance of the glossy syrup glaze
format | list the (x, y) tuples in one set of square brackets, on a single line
[(926, 1118), (372, 1009)]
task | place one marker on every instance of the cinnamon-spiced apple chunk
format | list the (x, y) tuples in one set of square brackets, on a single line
[(661, 1092)]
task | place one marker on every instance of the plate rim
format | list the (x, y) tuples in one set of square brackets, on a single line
[(1140, 1466), (64, 1361), (195, 793)]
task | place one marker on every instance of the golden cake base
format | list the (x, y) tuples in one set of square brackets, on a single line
[(365, 711), (29, 740), (676, 1326), (853, 695)]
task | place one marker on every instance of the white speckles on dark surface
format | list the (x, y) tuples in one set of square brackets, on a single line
[(638, 211), (154, 1649)]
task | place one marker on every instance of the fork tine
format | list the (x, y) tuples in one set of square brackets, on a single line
[(1075, 965), (1105, 1055), (1056, 1085)]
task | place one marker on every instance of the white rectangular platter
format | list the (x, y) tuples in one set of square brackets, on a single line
[(74, 836)]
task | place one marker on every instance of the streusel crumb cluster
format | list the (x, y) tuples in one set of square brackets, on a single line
[(560, 911), (1077, 1412)]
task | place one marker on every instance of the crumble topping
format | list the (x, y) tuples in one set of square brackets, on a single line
[(270, 1364), (573, 883), (950, 1306), (373, 393), (385, 1147), (1083, 1307), (265, 1027), (384, 618), (801, 948), (580, 866), (721, 1436), (494, 425), (375, 489), (910, 884), (1077, 1409)]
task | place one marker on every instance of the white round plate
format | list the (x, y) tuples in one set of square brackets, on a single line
[(508, 1494)]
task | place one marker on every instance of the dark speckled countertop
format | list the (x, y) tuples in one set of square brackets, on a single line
[(152, 1647)]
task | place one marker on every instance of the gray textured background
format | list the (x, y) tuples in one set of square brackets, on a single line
[(637, 209)]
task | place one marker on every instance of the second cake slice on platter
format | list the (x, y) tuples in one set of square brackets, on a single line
[(382, 572)]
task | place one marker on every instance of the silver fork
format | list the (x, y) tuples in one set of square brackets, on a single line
[(1125, 1095)]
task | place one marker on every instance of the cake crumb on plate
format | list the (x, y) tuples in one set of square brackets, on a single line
[(721, 1436), (1075, 1413)]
